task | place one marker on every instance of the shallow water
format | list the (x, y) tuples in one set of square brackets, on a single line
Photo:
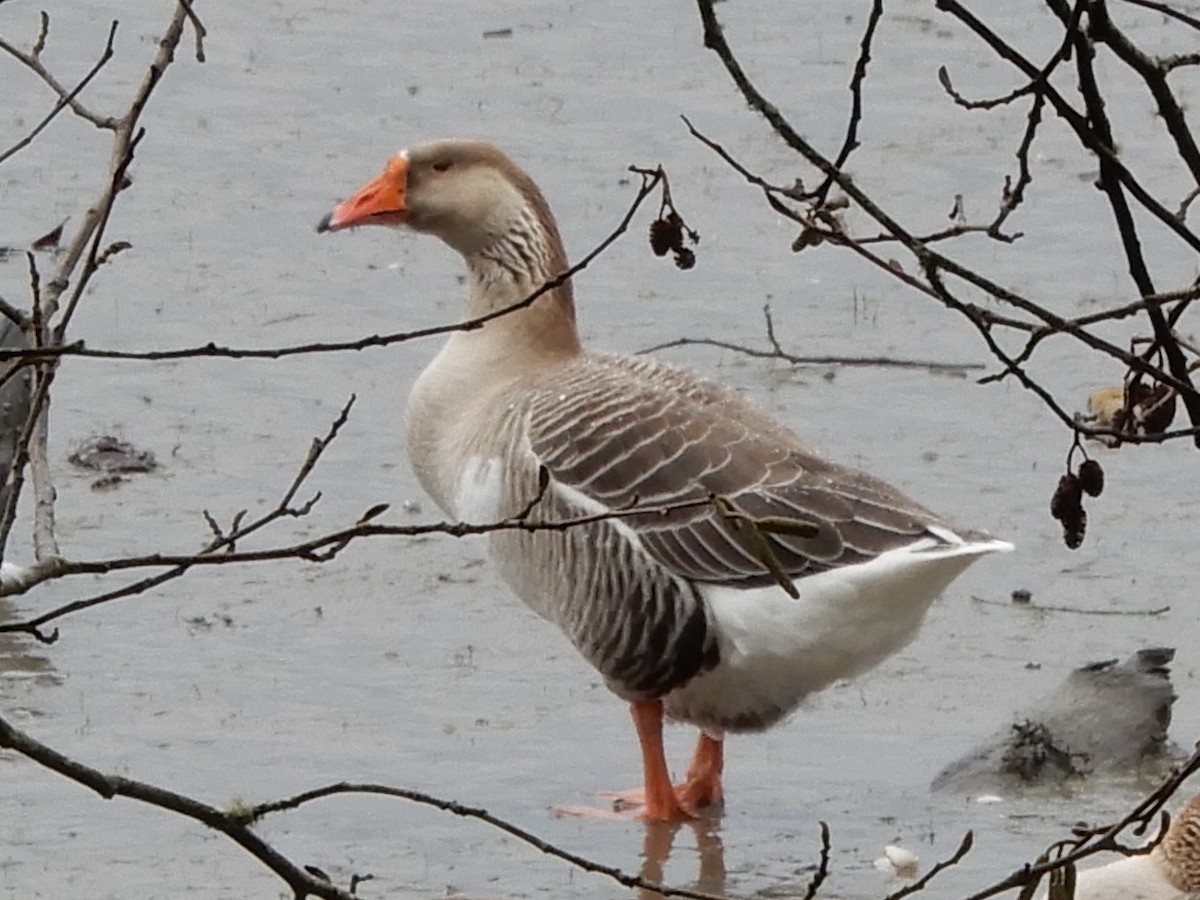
[(405, 661)]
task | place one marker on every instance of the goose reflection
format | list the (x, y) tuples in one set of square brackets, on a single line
[(659, 841)]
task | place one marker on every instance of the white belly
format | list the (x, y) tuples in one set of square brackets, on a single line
[(775, 651)]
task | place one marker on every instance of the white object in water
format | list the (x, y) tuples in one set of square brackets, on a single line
[(901, 861)]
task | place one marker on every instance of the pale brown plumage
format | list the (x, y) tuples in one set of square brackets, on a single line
[(672, 609), (1171, 871)]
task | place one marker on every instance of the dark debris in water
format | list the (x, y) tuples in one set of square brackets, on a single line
[(1033, 754), (1106, 719), (50, 242), (109, 455), (109, 482)]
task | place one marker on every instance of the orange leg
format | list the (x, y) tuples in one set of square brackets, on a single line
[(661, 802), (702, 787)]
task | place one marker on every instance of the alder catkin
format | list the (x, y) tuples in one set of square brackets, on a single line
[(1091, 478), (666, 234)]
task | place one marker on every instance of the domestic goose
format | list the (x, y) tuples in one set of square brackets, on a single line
[(679, 612), (1171, 871)]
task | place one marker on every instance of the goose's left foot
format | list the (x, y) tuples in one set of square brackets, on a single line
[(660, 800), (699, 792)]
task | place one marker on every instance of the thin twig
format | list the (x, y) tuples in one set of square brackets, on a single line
[(197, 27), (933, 263), (777, 352), (964, 847), (319, 549), (989, 103), (819, 876), (922, 252), (66, 97), (211, 350), (850, 141), (1167, 10), (1101, 839), (255, 813), (1037, 607), (65, 100), (222, 543), (109, 786)]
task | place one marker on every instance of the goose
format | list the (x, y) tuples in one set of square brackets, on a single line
[(676, 610), (1171, 871)]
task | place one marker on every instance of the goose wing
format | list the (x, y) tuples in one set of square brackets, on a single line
[(618, 432)]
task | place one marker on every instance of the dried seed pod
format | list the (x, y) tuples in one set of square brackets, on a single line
[(1067, 501), (685, 258), (809, 237), (1074, 529), (1067, 506), (1091, 478), (666, 234), (660, 239), (1154, 409)]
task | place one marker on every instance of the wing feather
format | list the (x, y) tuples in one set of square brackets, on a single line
[(620, 431)]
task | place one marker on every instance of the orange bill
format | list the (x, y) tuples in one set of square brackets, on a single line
[(378, 202)]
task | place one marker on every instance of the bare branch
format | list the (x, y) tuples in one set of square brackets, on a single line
[(197, 27), (1167, 10), (211, 350), (819, 876), (933, 264), (53, 567), (66, 98), (316, 550), (850, 142), (109, 786), (1079, 122), (776, 351), (964, 847), (1101, 839), (255, 813), (990, 103)]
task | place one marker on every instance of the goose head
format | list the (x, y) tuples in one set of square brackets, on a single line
[(469, 194), (483, 205)]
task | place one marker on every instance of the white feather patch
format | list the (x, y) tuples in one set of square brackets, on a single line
[(776, 650), (477, 499)]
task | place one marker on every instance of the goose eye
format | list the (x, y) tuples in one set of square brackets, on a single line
[(442, 165)]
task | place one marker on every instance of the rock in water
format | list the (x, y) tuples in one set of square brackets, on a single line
[(1106, 718)]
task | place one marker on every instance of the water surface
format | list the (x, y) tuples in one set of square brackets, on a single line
[(406, 661)]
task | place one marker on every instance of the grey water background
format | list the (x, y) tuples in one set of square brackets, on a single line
[(406, 661)]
